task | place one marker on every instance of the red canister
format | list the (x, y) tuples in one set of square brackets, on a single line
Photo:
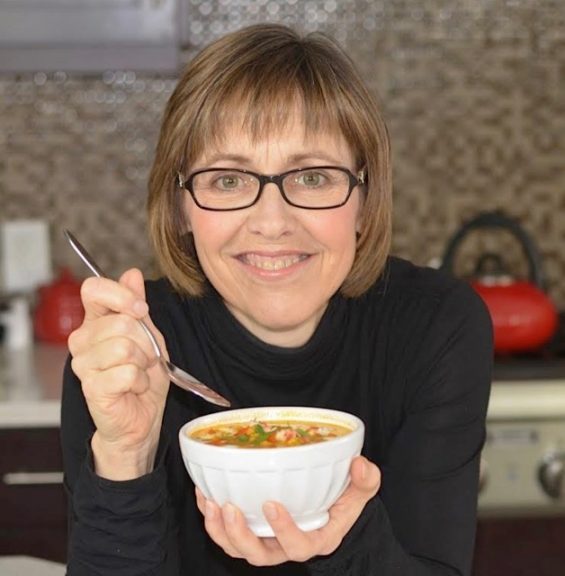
[(59, 309)]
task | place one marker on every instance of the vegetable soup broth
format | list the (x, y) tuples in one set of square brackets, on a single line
[(268, 434)]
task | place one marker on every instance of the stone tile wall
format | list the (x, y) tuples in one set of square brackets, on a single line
[(473, 92)]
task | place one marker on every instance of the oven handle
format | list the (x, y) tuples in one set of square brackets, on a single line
[(32, 478)]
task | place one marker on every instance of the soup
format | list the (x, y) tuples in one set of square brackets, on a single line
[(268, 434)]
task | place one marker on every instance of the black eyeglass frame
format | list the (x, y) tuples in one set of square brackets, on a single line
[(276, 179)]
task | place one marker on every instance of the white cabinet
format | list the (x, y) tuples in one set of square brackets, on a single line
[(88, 35)]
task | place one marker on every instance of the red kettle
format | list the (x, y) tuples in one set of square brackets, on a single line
[(523, 316), (59, 310)]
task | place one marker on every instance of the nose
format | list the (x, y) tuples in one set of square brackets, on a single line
[(271, 216)]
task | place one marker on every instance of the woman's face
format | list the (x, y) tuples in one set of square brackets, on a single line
[(275, 265)]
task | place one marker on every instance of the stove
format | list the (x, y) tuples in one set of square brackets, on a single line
[(523, 461)]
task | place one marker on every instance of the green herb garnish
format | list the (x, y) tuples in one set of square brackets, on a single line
[(261, 435)]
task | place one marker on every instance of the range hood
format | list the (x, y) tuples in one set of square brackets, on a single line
[(88, 35)]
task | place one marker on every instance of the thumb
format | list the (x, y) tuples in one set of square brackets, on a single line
[(365, 476), (133, 279)]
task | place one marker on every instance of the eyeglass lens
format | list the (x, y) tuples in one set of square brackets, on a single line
[(311, 188)]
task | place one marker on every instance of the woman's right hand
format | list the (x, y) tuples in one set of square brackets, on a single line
[(123, 382)]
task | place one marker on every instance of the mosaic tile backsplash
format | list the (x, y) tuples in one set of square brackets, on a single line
[(473, 92)]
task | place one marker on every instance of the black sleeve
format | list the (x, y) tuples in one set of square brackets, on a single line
[(423, 521), (115, 528)]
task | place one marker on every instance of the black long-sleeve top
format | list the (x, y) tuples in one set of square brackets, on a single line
[(411, 358)]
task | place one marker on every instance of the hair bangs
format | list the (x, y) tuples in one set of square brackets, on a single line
[(264, 102)]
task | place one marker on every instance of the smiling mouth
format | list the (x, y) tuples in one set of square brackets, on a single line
[(272, 263)]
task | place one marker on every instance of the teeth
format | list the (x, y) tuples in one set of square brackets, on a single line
[(268, 263)]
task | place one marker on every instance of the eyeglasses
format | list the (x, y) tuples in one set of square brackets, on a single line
[(314, 188)]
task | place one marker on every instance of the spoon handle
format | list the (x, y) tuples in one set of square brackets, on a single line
[(84, 255)]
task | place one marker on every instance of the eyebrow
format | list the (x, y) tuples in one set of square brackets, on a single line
[(316, 154), (220, 156), (292, 159)]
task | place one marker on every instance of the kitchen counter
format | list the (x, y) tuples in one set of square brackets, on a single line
[(18, 565), (30, 386), (31, 380), (521, 400)]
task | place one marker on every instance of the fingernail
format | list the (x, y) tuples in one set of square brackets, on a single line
[(140, 308), (270, 510), (210, 510), (229, 514)]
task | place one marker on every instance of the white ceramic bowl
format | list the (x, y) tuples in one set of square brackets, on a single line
[(307, 479)]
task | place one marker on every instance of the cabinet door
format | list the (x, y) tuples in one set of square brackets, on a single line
[(33, 521), (520, 547)]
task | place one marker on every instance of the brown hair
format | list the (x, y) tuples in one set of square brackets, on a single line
[(260, 71)]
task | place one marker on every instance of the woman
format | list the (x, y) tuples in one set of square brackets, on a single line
[(270, 208)]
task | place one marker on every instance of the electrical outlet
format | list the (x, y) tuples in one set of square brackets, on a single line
[(25, 255)]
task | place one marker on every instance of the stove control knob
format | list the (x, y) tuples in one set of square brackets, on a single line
[(551, 474)]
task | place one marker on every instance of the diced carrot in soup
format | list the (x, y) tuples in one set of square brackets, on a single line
[(268, 434)]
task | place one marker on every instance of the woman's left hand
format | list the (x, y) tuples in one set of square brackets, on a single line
[(228, 528)]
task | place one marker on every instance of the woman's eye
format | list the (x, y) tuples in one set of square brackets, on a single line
[(228, 182), (310, 179)]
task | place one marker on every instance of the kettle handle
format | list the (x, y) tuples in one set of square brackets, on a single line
[(497, 219)]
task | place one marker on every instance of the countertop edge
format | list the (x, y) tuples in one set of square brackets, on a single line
[(26, 414)]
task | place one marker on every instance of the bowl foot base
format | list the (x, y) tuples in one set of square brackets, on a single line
[(313, 521)]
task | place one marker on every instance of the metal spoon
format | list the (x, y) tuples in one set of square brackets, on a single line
[(177, 376)]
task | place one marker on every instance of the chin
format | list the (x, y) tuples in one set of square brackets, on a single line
[(284, 329)]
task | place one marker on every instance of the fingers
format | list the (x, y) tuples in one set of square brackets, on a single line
[(298, 545), (99, 388), (217, 522), (228, 529), (133, 279), (105, 328), (111, 340), (101, 296), (365, 483), (112, 310), (214, 524), (365, 478), (115, 351), (257, 551)]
